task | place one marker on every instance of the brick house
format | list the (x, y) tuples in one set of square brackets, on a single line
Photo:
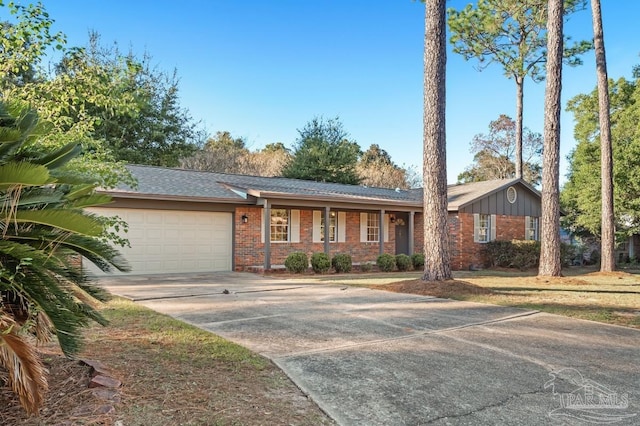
[(192, 221)]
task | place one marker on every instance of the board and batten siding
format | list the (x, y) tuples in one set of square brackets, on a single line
[(526, 204)]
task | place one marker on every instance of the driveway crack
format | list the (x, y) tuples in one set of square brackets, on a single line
[(497, 404)]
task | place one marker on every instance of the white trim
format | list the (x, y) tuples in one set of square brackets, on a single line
[(294, 226), (317, 217), (342, 227), (493, 226), (386, 227), (363, 227)]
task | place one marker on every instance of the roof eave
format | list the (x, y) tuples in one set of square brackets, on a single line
[(182, 198), (344, 199)]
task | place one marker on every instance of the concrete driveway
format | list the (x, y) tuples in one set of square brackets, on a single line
[(371, 357)]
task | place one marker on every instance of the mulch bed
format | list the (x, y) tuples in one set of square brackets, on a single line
[(434, 288), (69, 401)]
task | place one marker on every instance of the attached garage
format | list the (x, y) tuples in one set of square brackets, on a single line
[(174, 241)]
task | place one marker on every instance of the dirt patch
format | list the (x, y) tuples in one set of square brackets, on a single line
[(68, 402), (619, 274), (444, 289), (553, 281)]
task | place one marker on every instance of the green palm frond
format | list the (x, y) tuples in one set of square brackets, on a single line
[(80, 190), (64, 176), (67, 220), (91, 200), (101, 254), (23, 174), (59, 157), (43, 230), (38, 197)]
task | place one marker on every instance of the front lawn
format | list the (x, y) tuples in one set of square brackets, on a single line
[(171, 373), (612, 298)]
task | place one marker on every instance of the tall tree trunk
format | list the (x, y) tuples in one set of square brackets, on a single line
[(519, 108), (550, 262), (607, 261), (436, 230)]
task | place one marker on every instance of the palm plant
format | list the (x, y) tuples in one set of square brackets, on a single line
[(44, 231)]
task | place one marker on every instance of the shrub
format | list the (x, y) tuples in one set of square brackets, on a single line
[(403, 262), (320, 263), (386, 262), (417, 260), (297, 262), (341, 262), (499, 253), (526, 254), (365, 267), (568, 254), (521, 254)]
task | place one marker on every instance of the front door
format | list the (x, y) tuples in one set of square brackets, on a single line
[(402, 233)]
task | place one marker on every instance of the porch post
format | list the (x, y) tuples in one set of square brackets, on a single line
[(411, 237), (381, 231), (327, 222), (267, 235)]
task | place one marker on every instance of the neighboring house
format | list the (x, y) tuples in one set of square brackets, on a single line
[(192, 221)]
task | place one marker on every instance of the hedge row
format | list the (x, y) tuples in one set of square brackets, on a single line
[(521, 254), (298, 262)]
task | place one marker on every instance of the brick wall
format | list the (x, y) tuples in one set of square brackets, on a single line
[(464, 252), (468, 253), (250, 248)]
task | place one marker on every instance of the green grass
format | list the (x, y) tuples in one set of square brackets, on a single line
[(185, 341)]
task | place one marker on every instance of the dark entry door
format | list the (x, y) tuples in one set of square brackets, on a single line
[(402, 233)]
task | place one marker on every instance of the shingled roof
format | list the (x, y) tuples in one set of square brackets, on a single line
[(183, 185)]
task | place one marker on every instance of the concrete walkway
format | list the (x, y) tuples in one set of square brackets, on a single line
[(371, 357)]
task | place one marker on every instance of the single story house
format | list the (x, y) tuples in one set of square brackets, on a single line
[(194, 221)]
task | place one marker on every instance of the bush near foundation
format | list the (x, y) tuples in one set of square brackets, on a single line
[(297, 262), (522, 254), (417, 259), (403, 262), (386, 262), (342, 262), (320, 263), (365, 267)]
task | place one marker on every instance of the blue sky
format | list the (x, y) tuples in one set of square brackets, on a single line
[(262, 69)]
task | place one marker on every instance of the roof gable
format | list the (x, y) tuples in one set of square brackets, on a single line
[(461, 195)]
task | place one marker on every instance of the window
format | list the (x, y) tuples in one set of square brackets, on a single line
[(531, 228), (484, 228), (512, 195), (373, 227), (279, 225), (333, 226)]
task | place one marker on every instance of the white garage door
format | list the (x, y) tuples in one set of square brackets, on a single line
[(167, 241)]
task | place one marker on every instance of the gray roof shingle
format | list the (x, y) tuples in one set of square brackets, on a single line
[(181, 184)]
